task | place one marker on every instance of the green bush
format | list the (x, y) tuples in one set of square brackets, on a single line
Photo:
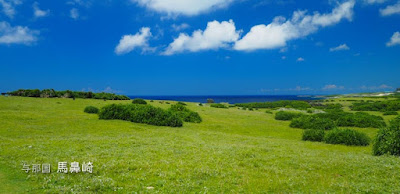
[(91, 109), (388, 105), (138, 101), (338, 118), (312, 122), (182, 103), (387, 141), (346, 137), (269, 112), (390, 113), (287, 116), (138, 113), (313, 135), (185, 114), (218, 106)]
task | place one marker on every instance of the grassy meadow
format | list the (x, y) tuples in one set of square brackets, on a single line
[(231, 151)]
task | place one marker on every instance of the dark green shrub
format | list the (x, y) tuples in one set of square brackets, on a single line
[(313, 135), (312, 122), (388, 105), (210, 101), (346, 137), (218, 106), (182, 103), (138, 101), (387, 141), (139, 113), (287, 116), (185, 114), (341, 119), (390, 113), (91, 109), (200, 104), (251, 109), (268, 112)]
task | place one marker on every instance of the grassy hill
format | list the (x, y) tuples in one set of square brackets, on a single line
[(232, 150)]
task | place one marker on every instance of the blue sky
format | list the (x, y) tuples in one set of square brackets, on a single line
[(197, 47)]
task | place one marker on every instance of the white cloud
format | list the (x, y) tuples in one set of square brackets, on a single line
[(37, 12), (381, 87), (341, 47), (184, 7), (74, 13), (130, 42), (17, 34), (8, 7), (216, 35), (299, 88), (374, 1), (280, 31), (391, 9), (395, 40), (332, 87), (180, 27), (300, 59)]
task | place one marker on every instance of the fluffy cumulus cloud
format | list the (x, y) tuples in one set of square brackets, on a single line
[(8, 7), (216, 35), (300, 59), (391, 9), (281, 30), (17, 34), (395, 40), (37, 12), (342, 47), (130, 42), (183, 7)]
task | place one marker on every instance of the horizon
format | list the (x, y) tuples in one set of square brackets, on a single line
[(221, 47)]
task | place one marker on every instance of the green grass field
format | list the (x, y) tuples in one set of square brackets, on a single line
[(231, 151)]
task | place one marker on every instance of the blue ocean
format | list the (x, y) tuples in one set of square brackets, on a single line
[(229, 99)]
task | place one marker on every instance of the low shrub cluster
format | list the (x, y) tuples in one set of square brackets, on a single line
[(390, 113), (387, 105), (313, 135), (91, 109), (278, 104), (346, 137), (182, 103), (336, 118), (312, 122), (138, 113), (387, 141), (287, 116), (185, 114), (218, 106), (138, 101), (51, 93)]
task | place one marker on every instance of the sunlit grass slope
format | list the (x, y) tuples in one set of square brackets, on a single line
[(232, 150)]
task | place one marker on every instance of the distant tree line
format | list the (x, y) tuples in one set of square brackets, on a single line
[(278, 104), (51, 93), (384, 106)]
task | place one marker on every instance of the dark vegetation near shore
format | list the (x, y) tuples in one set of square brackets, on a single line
[(51, 93), (278, 104), (383, 106)]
